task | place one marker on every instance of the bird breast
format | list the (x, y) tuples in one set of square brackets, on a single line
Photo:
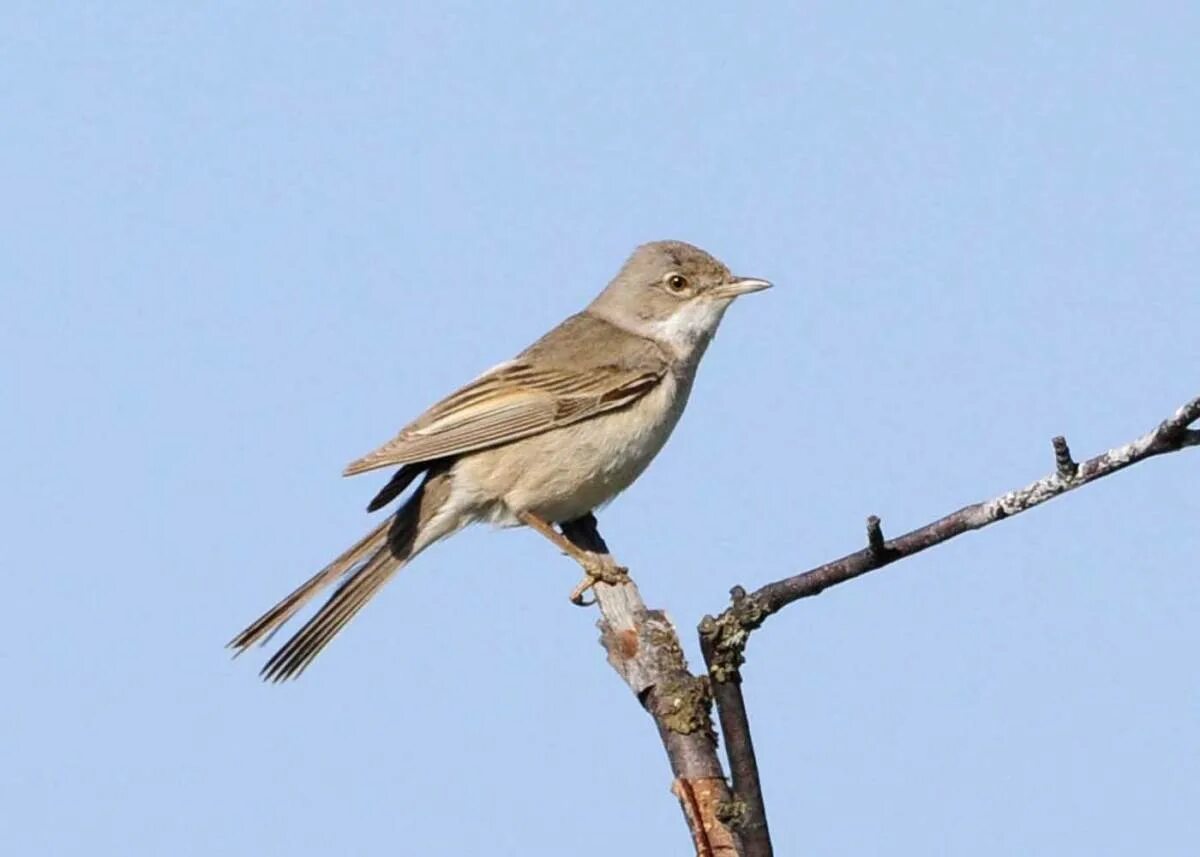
[(565, 473)]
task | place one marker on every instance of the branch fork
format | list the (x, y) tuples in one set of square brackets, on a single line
[(643, 646)]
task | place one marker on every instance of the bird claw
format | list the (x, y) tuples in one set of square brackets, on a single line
[(577, 593), (609, 573)]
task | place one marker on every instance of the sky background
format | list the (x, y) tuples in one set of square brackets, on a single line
[(243, 245)]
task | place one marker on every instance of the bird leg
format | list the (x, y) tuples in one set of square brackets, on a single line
[(583, 533), (581, 541)]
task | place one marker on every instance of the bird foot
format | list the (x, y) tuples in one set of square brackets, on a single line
[(598, 571)]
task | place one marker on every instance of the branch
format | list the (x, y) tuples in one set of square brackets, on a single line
[(723, 639), (735, 726), (644, 649)]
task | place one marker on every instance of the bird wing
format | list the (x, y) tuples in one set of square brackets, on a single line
[(512, 401)]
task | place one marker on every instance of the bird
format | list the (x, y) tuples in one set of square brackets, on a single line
[(543, 439)]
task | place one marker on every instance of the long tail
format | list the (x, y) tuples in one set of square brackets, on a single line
[(422, 520), (265, 626), (298, 652)]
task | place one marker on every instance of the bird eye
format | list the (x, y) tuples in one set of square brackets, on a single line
[(677, 282)]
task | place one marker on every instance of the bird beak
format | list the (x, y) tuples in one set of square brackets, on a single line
[(740, 286)]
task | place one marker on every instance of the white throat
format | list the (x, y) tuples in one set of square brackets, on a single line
[(689, 329)]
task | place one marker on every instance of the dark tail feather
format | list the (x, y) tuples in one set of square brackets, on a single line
[(346, 601), (395, 487), (264, 626)]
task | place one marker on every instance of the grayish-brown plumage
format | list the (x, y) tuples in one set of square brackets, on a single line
[(546, 437)]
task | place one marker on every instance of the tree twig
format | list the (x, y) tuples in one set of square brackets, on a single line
[(746, 808), (723, 639)]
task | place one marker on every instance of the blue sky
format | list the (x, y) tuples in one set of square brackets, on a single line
[(244, 245)]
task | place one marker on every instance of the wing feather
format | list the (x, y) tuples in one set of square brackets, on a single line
[(511, 402)]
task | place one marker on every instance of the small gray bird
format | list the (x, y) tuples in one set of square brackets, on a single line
[(545, 438)]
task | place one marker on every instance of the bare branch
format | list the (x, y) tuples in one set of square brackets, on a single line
[(723, 639), (1171, 435), (747, 807), (644, 649)]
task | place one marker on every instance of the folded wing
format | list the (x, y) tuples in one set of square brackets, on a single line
[(511, 402)]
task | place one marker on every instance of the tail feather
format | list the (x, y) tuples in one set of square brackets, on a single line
[(423, 519), (396, 485), (346, 601), (265, 626)]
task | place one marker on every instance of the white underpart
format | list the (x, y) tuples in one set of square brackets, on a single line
[(691, 325)]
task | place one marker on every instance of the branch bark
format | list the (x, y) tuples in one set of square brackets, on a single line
[(735, 727), (644, 649), (723, 639)]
